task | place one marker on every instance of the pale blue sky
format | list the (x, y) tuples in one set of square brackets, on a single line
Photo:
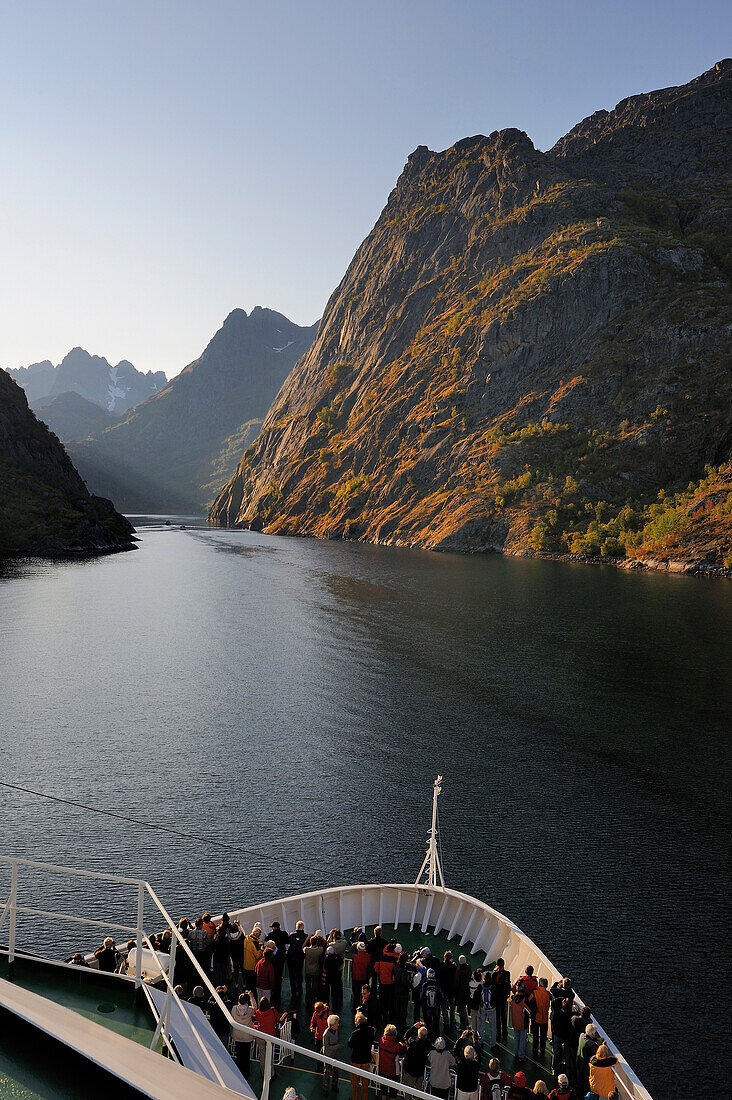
[(165, 161)]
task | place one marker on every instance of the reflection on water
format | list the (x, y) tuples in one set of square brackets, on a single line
[(297, 698)]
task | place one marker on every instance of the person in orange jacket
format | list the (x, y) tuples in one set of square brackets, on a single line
[(602, 1074), (539, 1002)]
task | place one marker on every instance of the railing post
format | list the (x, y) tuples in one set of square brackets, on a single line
[(267, 1074), (140, 932), (13, 903), (169, 996)]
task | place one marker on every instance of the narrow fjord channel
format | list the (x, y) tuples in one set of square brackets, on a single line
[(297, 698)]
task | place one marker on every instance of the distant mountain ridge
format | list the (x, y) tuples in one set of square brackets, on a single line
[(530, 352), (114, 388), (45, 508), (175, 450), (71, 416)]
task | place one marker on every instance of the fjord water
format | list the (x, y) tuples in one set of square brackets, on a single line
[(293, 700)]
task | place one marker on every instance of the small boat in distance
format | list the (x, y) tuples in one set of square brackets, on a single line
[(117, 1026)]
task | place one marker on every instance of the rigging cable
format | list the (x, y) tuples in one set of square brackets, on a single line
[(166, 829)]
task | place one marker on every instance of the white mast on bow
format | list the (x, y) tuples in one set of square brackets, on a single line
[(432, 863)]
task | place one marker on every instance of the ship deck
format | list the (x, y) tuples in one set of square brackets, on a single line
[(35, 1067), (31, 1072), (308, 1082)]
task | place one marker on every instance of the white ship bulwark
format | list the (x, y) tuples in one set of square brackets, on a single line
[(431, 909)]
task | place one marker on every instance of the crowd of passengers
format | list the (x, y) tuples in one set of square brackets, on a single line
[(247, 970)]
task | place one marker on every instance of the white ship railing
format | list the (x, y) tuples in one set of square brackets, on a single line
[(12, 908), (426, 906)]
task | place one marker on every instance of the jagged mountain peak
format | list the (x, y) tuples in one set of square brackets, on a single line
[(114, 388), (677, 127), (168, 450)]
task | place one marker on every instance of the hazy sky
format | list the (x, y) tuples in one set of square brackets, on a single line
[(164, 162)]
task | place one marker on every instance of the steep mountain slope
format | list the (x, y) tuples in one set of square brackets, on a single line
[(166, 454), (115, 389), (71, 416), (526, 351), (45, 510)]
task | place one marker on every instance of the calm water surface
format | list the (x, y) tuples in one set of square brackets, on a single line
[(295, 699)]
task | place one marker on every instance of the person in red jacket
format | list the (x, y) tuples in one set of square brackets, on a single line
[(318, 1023), (384, 968), (264, 975), (266, 1021), (494, 1080), (518, 1090), (360, 971), (389, 1049), (530, 982)]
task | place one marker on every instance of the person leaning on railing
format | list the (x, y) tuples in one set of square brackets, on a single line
[(106, 956), (602, 1074)]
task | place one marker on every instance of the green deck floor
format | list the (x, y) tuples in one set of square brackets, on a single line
[(84, 991), (34, 1066), (308, 1081)]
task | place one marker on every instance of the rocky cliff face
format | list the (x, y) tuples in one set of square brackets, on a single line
[(527, 349), (45, 508), (175, 450), (115, 389)]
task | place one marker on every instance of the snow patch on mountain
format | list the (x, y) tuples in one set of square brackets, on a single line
[(116, 390)]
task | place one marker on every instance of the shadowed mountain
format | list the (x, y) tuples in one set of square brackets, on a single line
[(45, 509), (71, 416), (174, 451), (528, 353)]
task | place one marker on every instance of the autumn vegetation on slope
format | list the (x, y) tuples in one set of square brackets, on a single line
[(529, 353)]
